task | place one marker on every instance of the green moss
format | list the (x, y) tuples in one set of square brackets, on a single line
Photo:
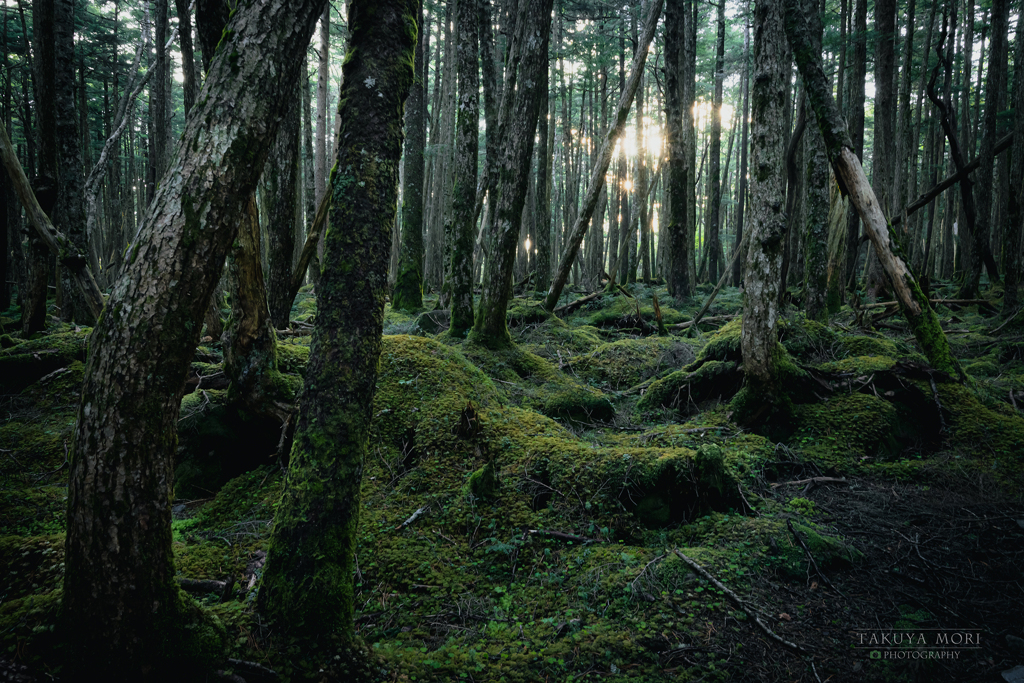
[(292, 358), (982, 368), (482, 484), (522, 312), (627, 362), (26, 363), (870, 346), (859, 365), (28, 627), (830, 553), (980, 430), (556, 341), (30, 565), (621, 311), (849, 425), (688, 390), (723, 345)]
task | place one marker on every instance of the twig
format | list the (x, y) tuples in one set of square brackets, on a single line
[(412, 518), (746, 502), (711, 319), (813, 480), (563, 536), (1007, 322), (746, 607), (572, 306), (632, 584), (817, 569)]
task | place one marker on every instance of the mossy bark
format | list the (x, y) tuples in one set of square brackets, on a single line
[(459, 267), (679, 246), (920, 316), (767, 203), (281, 183), (1011, 240), (816, 204), (307, 586), (120, 604), (408, 294), (518, 124)]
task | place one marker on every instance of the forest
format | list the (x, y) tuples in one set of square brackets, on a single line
[(511, 340)]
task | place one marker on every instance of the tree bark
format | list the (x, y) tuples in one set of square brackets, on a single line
[(679, 278), (517, 126), (307, 584), (467, 130), (762, 278), (855, 118), (816, 198), (737, 272), (408, 294), (1015, 210), (715, 153), (121, 607), (542, 279), (188, 61), (601, 168), (920, 316), (281, 179)]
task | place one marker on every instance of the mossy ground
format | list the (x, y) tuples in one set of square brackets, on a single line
[(520, 507)]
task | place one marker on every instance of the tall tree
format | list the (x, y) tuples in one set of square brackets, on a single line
[(715, 152), (1015, 212), (679, 277), (281, 183), (408, 294), (516, 127), (307, 585), (816, 197), (459, 266), (855, 117), (121, 607), (742, 184), (762, 275)]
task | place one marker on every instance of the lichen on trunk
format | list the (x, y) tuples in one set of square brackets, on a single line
[(307, 586)]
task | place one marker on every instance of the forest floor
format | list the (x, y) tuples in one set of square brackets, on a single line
[(535, 513)]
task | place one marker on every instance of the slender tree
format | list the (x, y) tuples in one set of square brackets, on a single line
[(679, 278), (1015, 212), (307, 585), (816, 198)]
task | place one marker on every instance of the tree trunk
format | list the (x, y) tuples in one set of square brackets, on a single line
[(542, 278), (737, 272), (157, 102), (816, 199), (517, 126), (679, 279), (460, 240), (188, 62), (715, 153), (408, 294), (883, 152), (1015, 212), (281, 179), (121, 607), (307, 584), (920, 316), (855, 118), (762, 278)]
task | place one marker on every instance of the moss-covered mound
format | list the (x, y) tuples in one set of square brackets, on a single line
[(621, 312), (625, 363), (532, 382), (27, 362), (555, 340)]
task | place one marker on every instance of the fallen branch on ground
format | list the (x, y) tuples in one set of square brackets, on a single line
[(813, 480), (741, 604)]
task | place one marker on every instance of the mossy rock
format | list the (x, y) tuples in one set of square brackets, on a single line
[(870, 346), (627, 362), (723, 345), (556, 341), (687, 391), (424, 388), (810, 340), (622, 312), (522, 312), (8, 342), (981, 430), (850, 424), (982, 368), (533, 382), (292, 359), (30, 361), (859, 365)]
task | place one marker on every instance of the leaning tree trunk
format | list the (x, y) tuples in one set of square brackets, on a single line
[(408, 294), (307, 585), (767, 227), (517, 125), (920, 316), (579, 229), (121, 607), (459, 240)]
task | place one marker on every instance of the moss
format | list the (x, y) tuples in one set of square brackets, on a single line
[(26, 363), (982, 368), (556, 341), (7, 341), (28, 627), (688, 390), (830, 553), (622, 312), (809, 339), (980, 430), (870, 346), (482, 484), (292, 358), (522, 312), (723, 345), (627, 362), (859, 365), (30, 565), (851, 425)]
